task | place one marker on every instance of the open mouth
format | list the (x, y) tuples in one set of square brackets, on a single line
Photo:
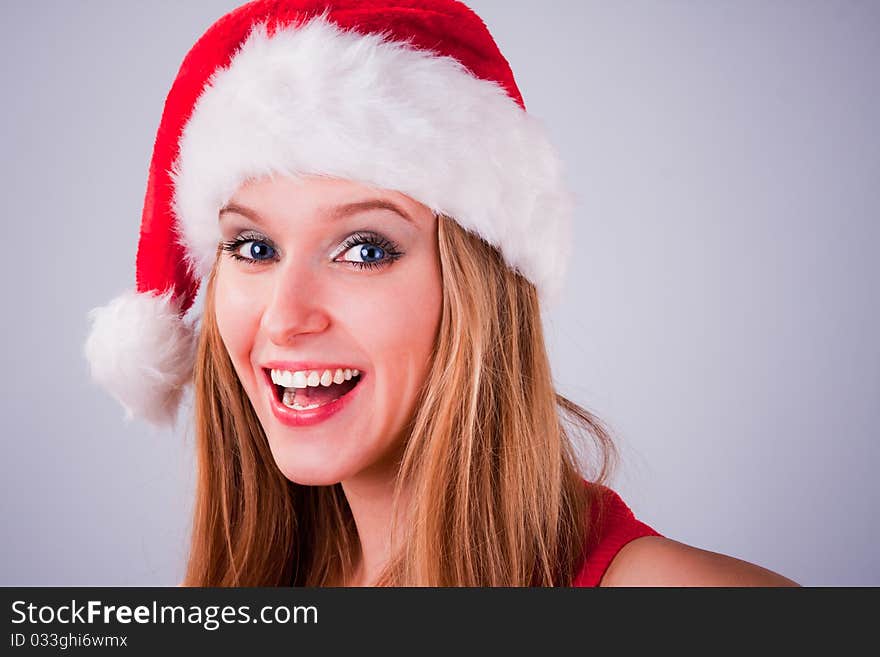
[(304, 392)]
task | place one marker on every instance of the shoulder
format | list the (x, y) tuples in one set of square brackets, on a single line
[(659, 561)]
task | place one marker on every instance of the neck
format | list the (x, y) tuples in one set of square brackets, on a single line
[(370, 500)]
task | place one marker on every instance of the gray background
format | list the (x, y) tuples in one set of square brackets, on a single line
[(720, 313)]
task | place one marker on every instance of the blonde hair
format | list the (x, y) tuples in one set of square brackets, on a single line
[(496, 495)]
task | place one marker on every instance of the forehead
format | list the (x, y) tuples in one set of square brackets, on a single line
[(317, 196)]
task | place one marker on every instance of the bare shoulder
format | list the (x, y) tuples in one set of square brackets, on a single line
[(659, 561)]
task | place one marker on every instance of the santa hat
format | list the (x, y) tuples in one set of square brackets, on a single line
[(412, 96)]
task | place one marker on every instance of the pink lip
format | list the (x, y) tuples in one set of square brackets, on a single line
[(294, 418), (293, 366)]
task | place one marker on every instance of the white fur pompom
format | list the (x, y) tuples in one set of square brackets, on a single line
[(142, 352)]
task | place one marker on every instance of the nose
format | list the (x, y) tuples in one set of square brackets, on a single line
[(294, 307)]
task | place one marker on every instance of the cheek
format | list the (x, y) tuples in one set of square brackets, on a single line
[(237, 315), (397, 328), (403, 315)]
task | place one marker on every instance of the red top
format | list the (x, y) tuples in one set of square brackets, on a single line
[(613, 525)]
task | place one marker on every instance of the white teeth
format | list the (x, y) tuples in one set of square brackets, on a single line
[(311, 378)]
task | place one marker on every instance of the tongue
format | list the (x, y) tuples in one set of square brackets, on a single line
[(322, 395)]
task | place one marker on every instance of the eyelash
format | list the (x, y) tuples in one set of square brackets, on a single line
[(368, 237)]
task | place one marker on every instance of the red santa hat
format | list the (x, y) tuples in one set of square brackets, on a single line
[(412, 96)]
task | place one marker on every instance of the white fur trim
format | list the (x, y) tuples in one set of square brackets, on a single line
[(142, 353), (320, 100)]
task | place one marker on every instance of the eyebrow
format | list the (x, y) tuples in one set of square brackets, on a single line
[(333, 213)]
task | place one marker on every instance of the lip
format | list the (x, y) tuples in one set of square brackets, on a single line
[(293, 418), (293, 366)]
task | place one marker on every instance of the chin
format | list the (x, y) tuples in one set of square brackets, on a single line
[(304, 475), (311, 479), (300, 469)]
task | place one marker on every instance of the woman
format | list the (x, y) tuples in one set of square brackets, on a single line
[(378, 220)]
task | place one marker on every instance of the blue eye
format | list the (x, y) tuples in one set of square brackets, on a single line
[(363, 250), (369, 250), (249, 250), (368, 253)]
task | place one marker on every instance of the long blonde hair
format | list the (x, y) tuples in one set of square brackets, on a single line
[(496, 494)]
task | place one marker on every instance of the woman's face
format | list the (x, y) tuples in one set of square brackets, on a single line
[(318, 277)]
